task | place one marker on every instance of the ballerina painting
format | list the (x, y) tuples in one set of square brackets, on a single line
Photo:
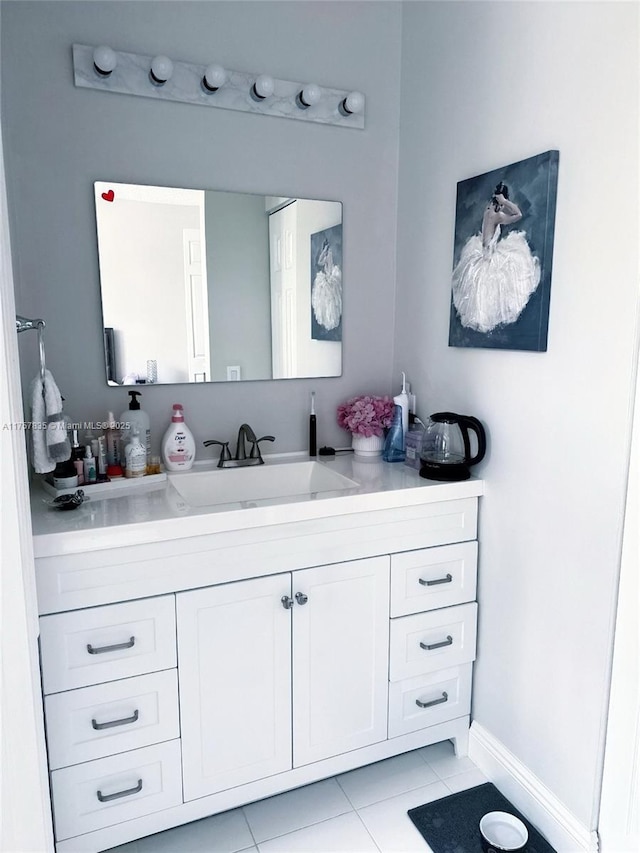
[(326, 284), (502, 256)]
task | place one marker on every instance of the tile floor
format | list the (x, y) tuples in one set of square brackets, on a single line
[(357, 812)]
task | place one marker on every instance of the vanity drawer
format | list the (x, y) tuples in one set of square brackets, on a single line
[(107, 643), (433, 577), (416, 703), (94, 722), (111, 790), (434, 640)]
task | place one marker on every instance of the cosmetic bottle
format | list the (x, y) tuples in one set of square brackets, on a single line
[(77, 452), (178, 445), (111, 434), (136, 457), (101, 458), (312, 426), (90, 475), (65, 475)]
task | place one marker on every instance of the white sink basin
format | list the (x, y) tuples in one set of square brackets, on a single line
[(266, 482)]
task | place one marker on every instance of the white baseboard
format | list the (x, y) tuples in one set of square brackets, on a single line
[(528, 794)]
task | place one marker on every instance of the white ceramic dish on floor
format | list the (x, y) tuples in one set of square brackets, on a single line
[(502, 831)]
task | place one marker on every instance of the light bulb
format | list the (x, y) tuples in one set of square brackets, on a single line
[(104, 60), (214, 77), (263, 87), (161, 70), (353, 103), (308, 96)]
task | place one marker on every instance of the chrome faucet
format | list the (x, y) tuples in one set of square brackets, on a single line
[(240, 460)]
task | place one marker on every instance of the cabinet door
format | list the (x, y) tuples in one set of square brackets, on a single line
[(340, 658), (234, 654)]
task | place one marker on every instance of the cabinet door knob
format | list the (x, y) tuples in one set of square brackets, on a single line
[(287, 602), (439, 701), (301, 598)]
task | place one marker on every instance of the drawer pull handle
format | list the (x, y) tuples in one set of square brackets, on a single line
[(102, 649), (439, 701), (430, 646), (98, 726), (301, 598), (286, 602), (446, 579), (105, 798)]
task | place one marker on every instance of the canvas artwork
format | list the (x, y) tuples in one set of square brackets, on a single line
[(326, 284), (502, 256)]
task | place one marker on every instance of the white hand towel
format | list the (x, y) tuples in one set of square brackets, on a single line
[(50, 441)]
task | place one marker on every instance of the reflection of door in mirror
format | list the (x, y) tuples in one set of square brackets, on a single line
[(293, 225), (154, 280), (195, 279)]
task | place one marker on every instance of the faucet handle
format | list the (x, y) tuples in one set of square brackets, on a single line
[(255, 446), (225, 453)]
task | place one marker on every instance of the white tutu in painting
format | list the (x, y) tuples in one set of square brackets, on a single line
[(492, 284), (326, 293)]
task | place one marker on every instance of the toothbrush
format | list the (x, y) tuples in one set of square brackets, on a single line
[(312, 426)]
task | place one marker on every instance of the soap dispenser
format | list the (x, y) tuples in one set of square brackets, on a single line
[(178, 444)]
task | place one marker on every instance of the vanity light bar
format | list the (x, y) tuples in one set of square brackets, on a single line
[(213, 86)]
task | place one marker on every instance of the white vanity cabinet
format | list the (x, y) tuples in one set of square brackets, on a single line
[(184, 676), (280, 672)]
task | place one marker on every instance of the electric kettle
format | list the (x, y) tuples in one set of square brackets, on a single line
[(446, 447)]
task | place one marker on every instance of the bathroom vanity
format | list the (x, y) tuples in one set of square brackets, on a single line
[(200, 655)]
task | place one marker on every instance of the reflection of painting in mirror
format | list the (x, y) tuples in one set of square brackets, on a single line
[(326, 290), (213, 286)]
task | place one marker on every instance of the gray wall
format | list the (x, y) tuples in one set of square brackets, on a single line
[(59, 139), (507, 81)]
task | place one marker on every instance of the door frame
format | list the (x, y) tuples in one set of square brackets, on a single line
[(619, 818), (25, 807)]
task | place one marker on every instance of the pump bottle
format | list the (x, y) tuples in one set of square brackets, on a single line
[(178, 445)]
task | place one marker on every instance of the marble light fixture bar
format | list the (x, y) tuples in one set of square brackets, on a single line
[(131, 76)]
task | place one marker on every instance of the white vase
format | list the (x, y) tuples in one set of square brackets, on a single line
[(367, 445)]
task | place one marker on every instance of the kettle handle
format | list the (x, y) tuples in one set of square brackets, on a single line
[(469, 422)]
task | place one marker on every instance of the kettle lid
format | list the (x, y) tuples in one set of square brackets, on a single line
[(445, 418)]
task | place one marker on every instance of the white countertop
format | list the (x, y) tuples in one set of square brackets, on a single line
[(154, 513)]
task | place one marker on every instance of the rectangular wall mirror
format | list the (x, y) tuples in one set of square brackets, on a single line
[(209, 286)]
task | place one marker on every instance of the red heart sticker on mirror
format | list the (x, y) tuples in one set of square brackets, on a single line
[(109, 196)]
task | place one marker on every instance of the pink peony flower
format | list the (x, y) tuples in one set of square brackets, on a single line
[(366, 415)]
